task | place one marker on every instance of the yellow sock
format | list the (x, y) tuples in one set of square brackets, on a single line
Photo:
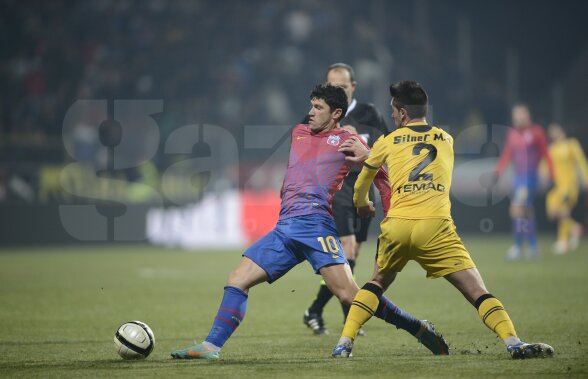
[(564, 228), (495, 317), (362, 309)]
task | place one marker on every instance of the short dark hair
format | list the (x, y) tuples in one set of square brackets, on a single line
[(411, 96), (342, 66), (334, 96)]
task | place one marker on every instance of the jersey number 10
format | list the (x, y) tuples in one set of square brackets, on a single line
[(329, 243)]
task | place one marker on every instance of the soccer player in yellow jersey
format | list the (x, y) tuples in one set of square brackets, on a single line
[(569, 161), (418, 225)]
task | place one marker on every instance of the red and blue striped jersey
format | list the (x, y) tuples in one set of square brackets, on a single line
[(525, 148), (316, 170)]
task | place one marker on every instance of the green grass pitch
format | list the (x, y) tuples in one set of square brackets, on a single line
[(59, 309)]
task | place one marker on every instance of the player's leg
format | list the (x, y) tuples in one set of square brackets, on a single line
[(343, 214), (469, 282), (518, 219), (349, 247), (360, 227), (370, 301), (366, 302), (442, 254), (558, 211), (230, 313), (530, 231), (569, 231), (313, 316), (340, 280), (266, 260), (531, 224)]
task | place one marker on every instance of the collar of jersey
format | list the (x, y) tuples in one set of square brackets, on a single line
[(417, 123)]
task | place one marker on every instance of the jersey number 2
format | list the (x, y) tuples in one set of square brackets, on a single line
[(415, 174)]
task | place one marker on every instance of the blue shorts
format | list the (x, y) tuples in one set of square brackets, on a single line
[(294, 240), (524, 189)]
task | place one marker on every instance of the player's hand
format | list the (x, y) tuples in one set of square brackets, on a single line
[(358, 152), (367, 210), (350, 128)]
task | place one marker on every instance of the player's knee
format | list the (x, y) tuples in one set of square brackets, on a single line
[(346, 297), (345, 294)]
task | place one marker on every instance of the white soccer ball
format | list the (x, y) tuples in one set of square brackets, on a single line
[(134, 340)]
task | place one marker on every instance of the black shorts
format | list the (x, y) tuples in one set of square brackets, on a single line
[(345, 215)]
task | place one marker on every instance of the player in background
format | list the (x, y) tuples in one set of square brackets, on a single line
[(525, 146), (364, 120), (569, 162), (317, 164), (418, 225)]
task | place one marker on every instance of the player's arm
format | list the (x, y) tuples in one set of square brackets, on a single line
[(504, 159), (371, 168), (365, 207), (581, 161)]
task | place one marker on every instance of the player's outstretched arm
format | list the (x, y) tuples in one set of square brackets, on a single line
[(504, 159)]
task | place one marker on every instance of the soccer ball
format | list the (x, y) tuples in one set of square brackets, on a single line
[(134, 340)]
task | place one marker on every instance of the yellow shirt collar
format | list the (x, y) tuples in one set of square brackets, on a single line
[(416, 123)]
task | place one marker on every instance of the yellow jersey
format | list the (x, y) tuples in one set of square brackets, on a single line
[(419, 158), (568, 158)]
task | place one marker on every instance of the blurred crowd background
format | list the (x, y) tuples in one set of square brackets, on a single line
[(234, 63)]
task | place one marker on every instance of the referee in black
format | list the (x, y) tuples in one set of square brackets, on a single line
[(364, 120)]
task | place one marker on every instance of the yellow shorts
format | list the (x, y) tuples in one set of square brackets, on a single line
[(558, 200), (433, 243)]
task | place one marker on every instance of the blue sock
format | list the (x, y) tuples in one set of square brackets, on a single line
[(229, 316), (390, 313), (519, 227), (532, 233)]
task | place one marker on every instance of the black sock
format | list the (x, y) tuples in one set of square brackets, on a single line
[(345, 307), (322, 298)]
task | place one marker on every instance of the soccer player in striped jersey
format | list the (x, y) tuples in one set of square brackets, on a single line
[(418, 225), (525, 146), (569, 162), (318, 162), (364, 120)]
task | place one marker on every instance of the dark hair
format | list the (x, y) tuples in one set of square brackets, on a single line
[(411, 96), (342, 66), (334, 96)]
